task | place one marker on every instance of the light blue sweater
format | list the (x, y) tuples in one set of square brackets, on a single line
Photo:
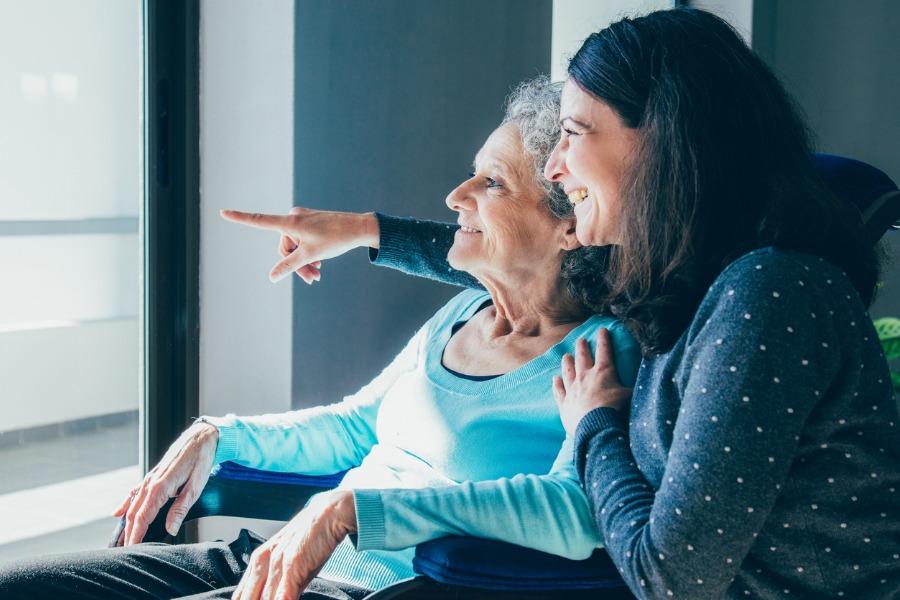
[(431, 454)]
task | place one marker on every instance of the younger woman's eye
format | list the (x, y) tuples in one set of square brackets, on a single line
[(568, 131)]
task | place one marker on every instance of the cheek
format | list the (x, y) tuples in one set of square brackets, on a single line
[(584, 223), (507, 235)]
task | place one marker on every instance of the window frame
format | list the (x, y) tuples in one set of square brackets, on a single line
[(171, 222)]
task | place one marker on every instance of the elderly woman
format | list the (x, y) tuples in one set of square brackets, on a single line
[(434, 445)]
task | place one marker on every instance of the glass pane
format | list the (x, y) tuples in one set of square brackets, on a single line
[(69, 87), (70, 200)]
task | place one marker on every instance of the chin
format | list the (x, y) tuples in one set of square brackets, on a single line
[(586, 238), (454, 260)]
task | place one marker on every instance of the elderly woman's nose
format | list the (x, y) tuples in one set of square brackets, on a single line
[(556, 164), (459, 199)]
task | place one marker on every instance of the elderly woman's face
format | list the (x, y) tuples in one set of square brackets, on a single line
[(505, 222)]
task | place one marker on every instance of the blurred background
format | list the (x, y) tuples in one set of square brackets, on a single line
[(354, 105)]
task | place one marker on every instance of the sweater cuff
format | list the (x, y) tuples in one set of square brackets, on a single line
[(591, 424), (392, 235), (371, 532), (227, 448)]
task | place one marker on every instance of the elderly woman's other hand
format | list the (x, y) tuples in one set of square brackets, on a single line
[(311, 236), (181, 474), (587, 384), (284, 566)]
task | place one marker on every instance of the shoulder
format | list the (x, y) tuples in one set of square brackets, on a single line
[(459, 307), (770, 274), (772, 264), (467, 300), (626, 350), (769, 286), (621, 337)]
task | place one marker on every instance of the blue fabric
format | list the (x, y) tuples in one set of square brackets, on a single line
[(471, 562), (853, 181), (230, 470), (431, 454), (493, 565)]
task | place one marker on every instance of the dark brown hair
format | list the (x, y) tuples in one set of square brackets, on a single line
[(722, 167)]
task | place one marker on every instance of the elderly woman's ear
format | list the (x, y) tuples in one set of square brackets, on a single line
[(569, 241)]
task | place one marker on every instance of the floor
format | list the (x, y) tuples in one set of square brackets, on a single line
[(56, 495)]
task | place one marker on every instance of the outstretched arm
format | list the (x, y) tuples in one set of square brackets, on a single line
[(310, 236), (418, 248)]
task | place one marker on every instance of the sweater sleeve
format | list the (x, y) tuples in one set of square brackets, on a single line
[(759, 354), (546, 512), (419, 248), (315, 441)]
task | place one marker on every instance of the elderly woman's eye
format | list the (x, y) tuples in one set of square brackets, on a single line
[(491, 182)]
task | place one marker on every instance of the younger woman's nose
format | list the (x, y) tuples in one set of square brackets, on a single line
[(556, 164)]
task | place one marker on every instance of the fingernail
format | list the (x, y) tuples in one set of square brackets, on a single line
[(173, 529), (277, 276)]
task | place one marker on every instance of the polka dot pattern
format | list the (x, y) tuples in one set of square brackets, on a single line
[(775, 427)]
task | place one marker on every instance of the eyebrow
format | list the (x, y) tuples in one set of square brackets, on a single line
[(574, 121), (495, 165)]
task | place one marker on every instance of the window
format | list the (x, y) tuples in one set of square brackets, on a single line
[(70, 203)]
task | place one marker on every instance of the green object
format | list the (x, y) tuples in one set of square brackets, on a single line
[(888, 329)]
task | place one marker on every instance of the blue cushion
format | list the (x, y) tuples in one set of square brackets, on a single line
[(488, 564), (230, 470), (853, 181)]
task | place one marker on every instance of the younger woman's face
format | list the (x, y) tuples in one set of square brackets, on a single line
[(589, 160)]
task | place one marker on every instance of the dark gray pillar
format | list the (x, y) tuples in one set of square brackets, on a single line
[(393, 100)]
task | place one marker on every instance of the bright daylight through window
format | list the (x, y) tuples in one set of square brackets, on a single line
[(70, 198)]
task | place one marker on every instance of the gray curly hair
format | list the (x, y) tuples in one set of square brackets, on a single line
[(534, 107)]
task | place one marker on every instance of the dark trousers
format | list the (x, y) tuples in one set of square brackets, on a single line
[(147, 572)]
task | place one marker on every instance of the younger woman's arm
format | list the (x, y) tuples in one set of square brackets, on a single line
[(418, 248)]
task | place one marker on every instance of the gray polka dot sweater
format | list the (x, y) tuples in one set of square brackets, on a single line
[(761, 457)]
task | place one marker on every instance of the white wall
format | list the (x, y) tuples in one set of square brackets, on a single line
[(737, 12), (246, 163), (574, 20)]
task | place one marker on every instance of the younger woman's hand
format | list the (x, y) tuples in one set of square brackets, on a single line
[(284, 566), (587, 384), (310, 236)]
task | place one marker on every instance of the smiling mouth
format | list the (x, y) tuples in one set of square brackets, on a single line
[(465, 229), (577, 197)]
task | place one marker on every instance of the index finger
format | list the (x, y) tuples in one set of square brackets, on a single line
[(257, 220)]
